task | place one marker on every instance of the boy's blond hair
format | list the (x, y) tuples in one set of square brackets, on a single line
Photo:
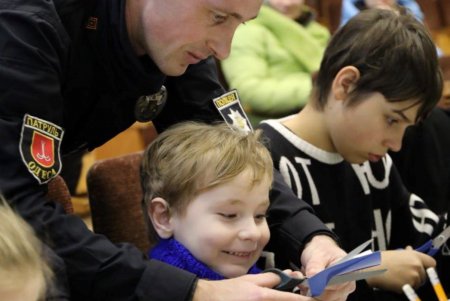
[(191, 157), (21, 260)]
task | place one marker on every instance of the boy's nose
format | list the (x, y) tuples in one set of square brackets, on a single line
[(394, 143), (250, 231)]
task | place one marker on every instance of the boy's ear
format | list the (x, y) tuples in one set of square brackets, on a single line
[(159, 214), (344, 82)]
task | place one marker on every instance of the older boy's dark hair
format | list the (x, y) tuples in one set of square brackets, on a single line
[(394, 54)]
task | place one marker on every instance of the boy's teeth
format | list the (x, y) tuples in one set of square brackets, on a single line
[(239, 253)]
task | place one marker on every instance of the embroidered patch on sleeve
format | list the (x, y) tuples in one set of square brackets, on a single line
[(233, 114), (40, 142)]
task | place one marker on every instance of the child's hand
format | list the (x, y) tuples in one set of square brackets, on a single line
[(403, 267)]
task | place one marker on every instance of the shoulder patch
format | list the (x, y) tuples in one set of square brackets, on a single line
[(39, 147), (233, 114)]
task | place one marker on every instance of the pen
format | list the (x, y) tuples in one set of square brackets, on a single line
[(410, 293), (437, 286)]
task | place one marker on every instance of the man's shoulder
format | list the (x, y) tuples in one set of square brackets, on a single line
[(38, 9), (28, 25), (51, 11)]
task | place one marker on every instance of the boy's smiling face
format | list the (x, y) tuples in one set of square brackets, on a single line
[(369, 129), (225, 227)]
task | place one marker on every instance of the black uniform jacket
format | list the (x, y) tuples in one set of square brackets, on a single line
[(69, 81)]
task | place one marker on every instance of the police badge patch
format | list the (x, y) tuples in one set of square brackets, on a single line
[(230, 108), (40, 141)]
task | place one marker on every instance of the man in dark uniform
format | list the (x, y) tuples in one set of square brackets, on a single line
[(75, 73)]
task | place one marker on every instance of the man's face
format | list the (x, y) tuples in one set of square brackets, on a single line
[(178, 33), (225, 227), (367, 130)]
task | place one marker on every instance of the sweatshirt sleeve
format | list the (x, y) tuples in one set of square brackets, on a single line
[(248, 69)]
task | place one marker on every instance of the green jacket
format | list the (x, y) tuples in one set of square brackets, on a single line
[(271, 61)]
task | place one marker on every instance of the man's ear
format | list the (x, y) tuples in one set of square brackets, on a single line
[(344, 82), (159, 213)]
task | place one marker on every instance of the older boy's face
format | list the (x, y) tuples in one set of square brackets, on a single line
[(178, 33), (225, 227), (368, 130)]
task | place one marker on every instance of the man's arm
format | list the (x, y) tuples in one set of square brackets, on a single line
[(30, 71), (96, 268), (300, 237), (292, 222)]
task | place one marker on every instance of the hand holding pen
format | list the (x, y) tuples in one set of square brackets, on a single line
[(434, 279), (403, 266), (431, 247)]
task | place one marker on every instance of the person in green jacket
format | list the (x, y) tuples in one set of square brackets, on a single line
[(273, 57)]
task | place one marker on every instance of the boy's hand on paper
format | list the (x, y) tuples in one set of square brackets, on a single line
[(403, 267)]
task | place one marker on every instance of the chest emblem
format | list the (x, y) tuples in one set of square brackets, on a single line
[(40, 142), (149, 106)]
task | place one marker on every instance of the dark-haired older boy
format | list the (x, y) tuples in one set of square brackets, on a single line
[(378, 76)]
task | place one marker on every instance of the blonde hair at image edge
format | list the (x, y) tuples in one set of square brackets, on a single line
[(23, 272)]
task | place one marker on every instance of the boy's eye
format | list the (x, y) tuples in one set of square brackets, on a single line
[(261, 217), (219, 18), (227, 215), (391, 121)]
